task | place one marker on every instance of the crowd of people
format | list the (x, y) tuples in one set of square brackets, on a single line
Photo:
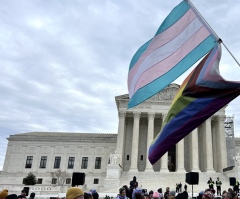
[(4, 195), (133, 191), (72, 193)]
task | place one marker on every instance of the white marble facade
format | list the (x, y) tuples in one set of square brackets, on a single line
[(203, 150)]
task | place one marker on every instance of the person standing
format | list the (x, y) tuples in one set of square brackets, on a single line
[(177, 187), (210, 183), (185, 187), (236, 187), (218, 184), (166, 194), (180, 187)]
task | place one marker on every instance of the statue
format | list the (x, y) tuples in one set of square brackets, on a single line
[(237, 160), (114, 158)]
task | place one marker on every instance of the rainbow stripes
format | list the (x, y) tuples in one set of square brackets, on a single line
[(181, 40), (201, 95)]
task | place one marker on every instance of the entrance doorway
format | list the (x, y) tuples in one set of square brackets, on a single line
[(172, 159)]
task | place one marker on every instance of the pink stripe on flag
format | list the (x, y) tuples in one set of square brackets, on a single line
[(162, 39), (208, 75), (164, 66)]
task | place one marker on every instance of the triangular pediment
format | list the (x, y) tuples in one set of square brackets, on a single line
[(167, 93)]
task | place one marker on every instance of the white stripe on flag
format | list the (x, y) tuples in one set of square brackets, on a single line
[(166, 51)]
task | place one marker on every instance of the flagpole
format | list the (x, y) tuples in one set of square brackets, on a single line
[(215, 34)]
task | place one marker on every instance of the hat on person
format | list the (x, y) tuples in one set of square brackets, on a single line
[(93, 191), (209, 195), (155, 194), (74, 192), (172, 193), (12, 196), (3, 193), (201, 192)]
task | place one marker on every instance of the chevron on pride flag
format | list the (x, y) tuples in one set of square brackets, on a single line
[(202, 94), (181, 40)]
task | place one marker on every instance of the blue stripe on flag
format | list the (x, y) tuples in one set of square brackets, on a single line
[(170, 20), (139, 53), (160, 83), (176, 14)]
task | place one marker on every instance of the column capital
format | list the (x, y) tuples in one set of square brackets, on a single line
[(122, 114), (214, 122), (221, 118), (151, 115), (137, 115), (164, 115)]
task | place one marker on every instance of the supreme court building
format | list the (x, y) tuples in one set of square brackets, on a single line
[(203, 150)]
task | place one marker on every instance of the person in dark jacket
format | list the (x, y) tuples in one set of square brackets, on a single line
[(32, 195), (210, 183), (166, 194), (218, 184), (23, 194), (94, 194), (185, 187), (128, 192)]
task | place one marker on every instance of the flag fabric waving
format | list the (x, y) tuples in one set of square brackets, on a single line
[(201, 95), (181, 40)]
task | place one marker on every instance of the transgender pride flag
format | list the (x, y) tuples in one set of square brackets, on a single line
[(202, 94), (181, 40)]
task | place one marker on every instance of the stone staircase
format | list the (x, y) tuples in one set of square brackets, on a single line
[(156, 180)]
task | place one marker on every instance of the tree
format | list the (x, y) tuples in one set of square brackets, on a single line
[(60, 176), (30, 179)]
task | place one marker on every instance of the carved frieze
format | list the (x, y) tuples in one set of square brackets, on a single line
[(166, 94), (73, 149), (17, 148), (59, 149), (111, 150), (99, 150), (45, 149), (86, 151), (31, 149)]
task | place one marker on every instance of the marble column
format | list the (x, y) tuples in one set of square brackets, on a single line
[(120, 138), (135, 140), (208, 151), (180, 156), (164, 159), (194, 150), (215, 144), (149, 167), (222, 143)]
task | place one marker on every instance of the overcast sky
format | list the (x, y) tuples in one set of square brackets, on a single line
[(63, 62)]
